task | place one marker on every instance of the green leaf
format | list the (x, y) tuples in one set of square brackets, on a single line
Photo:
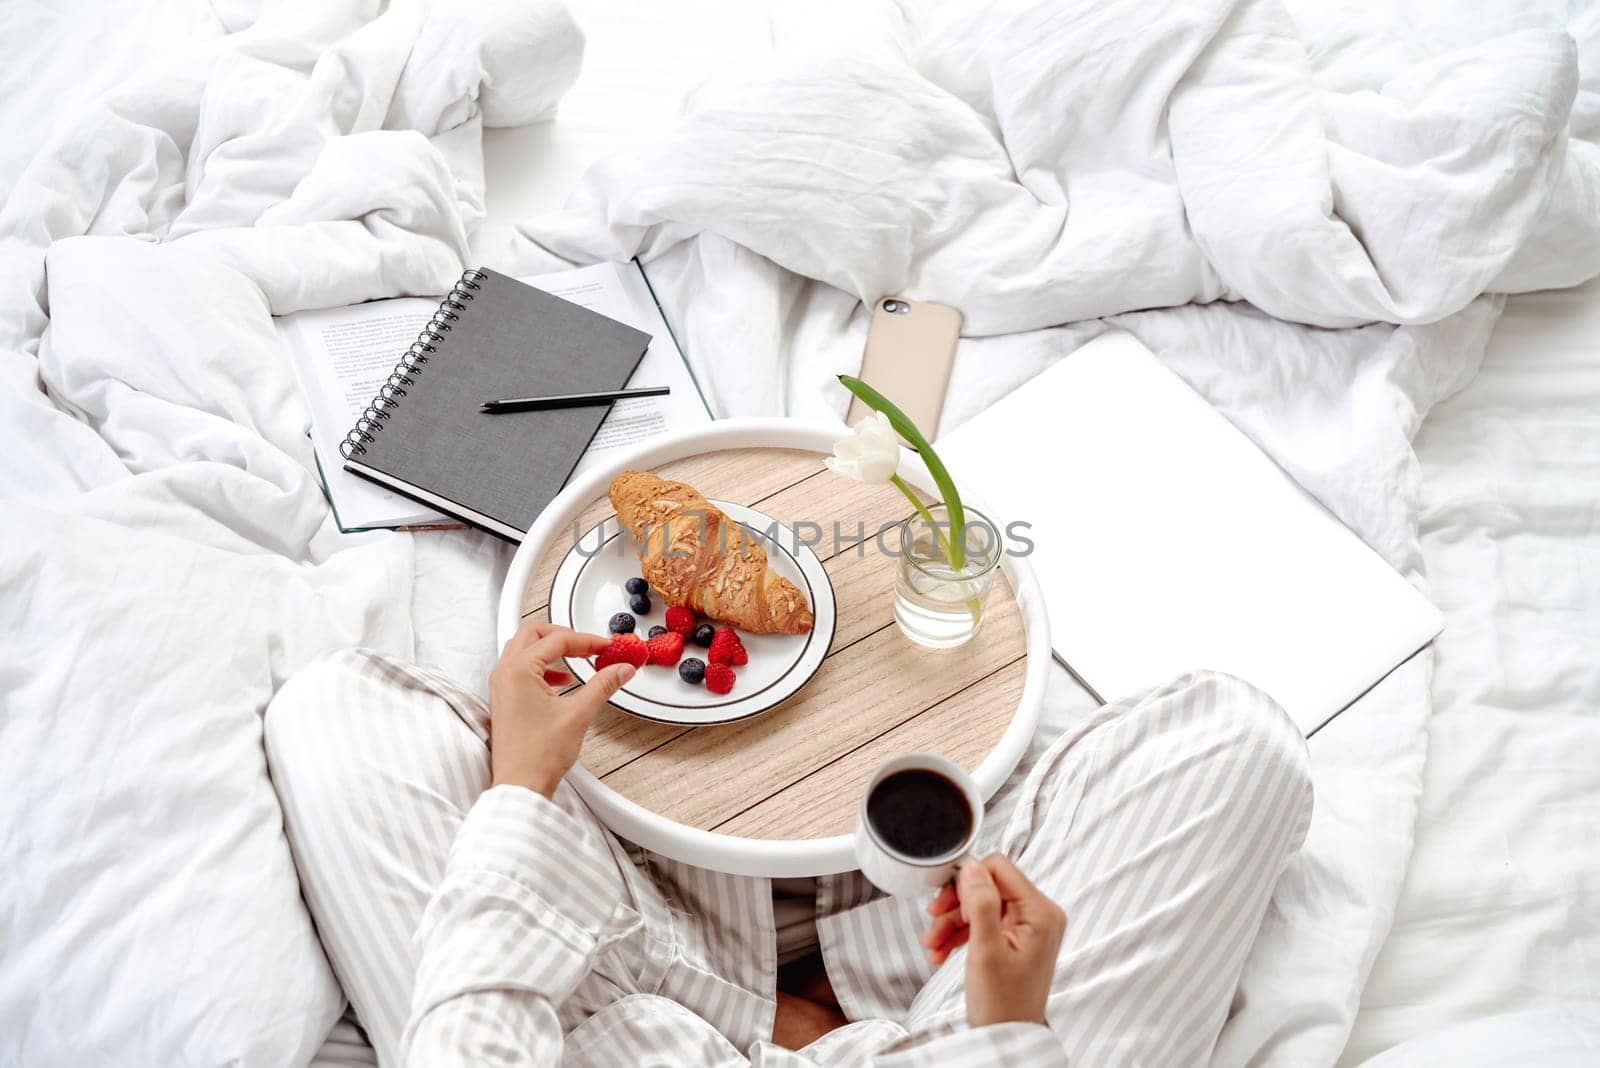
[(941, 477)]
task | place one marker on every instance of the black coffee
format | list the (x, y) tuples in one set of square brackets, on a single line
[(919, 814)]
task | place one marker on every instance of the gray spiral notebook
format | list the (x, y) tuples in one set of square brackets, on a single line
[(492, 337)]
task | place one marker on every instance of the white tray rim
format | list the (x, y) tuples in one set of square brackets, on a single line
[(770, 858)]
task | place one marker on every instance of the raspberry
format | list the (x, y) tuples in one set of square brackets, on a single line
[(719, 678), (624, 649), (680, 620), (665, 649), (726, 648)]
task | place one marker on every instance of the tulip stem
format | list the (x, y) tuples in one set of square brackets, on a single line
[(927, 516), (956, 548), (974, 606)]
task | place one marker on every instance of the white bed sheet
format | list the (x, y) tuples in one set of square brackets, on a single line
[(638, 62), (1499, 912), (1501, 907)]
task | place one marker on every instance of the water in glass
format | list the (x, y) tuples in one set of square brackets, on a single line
[(935, 604)]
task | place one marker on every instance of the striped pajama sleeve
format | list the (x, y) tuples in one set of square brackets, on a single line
[(514, 926), (513, 930), (517, 920), (1004, 1043), (523, 908)]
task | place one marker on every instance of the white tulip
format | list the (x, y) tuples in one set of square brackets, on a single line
[(870, 452)]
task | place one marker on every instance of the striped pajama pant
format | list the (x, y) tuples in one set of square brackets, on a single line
[(1160, 824)]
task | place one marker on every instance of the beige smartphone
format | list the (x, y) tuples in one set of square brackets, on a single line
[(910, 347)]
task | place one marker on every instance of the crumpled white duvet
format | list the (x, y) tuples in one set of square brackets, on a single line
[(168, 558)]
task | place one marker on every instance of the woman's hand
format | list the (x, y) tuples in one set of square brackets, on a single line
[(535, 732), (1012, 932)]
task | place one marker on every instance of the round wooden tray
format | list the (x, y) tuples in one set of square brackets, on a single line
[(777, 795)]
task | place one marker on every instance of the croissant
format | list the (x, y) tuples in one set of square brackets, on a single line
[(695, 556)]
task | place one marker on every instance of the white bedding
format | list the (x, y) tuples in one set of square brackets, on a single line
[(168, 557), (1501, 907), (173, 443)]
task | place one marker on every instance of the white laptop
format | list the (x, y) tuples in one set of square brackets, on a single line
[(1166, 541)]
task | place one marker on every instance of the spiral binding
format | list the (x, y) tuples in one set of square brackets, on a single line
[(409, 368)]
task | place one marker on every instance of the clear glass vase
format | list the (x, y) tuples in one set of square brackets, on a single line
[(935, 604)]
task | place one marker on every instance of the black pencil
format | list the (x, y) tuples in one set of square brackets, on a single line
[(570, 400)]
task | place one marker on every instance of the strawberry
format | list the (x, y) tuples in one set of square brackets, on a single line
[(726, 648), (665, 649), (719, 677), (557, 678), (680, 620), (624, 649)]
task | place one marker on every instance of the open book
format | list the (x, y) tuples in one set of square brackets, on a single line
[(1165, 541), (343, 356)]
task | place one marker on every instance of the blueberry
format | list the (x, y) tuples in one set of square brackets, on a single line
[(702, 636), (622, 623), (657, 629), (637, 585), (639, 603), (692, 671)]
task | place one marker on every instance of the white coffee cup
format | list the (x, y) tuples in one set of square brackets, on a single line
[(898, 873)]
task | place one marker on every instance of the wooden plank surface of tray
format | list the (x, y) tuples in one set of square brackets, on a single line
[(798, 771)]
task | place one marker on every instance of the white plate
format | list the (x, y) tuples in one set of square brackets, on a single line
[(589, 589)]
